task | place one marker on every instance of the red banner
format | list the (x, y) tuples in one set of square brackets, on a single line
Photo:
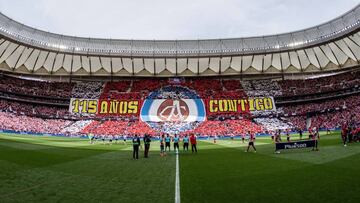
[(114, 107)]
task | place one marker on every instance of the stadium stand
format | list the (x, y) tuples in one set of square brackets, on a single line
[(35, 88), (261, 88), (36, 102), (118, 128), (272, 124), (22, 123), (89, 90), (118, 90), (232, 85), (333, 83), (146, 85), (336, 104), (226, 128), (33, 110), (75, 127)]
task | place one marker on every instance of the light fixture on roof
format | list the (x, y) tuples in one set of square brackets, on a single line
[(58, 46)]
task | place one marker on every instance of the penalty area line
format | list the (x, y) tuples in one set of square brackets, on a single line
[(177, 179)]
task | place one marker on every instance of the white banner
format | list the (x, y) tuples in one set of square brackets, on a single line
[(83, 106)]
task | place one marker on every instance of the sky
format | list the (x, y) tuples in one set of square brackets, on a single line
[(170, 20)]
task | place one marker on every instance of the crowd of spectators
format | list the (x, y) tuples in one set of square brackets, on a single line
[(298, 121), (119, 90), (89, 90), (75, 127), (23, 123), (25, 98), (173, 92), (324, 114), (147, 85), (205, 88), (254, 88), (19, 122), (115, 127), (173, 127), (226, 128), (320, 84), (272, 124), (123, 95), (329, 105), (336, 118), (35, 87), (32, 109), (206, 128), (231, 85), (326, 120), (91, 127)]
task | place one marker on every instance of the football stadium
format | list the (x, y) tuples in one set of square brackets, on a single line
[(272, 118)]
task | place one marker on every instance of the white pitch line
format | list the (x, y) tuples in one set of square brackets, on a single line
[(177, 179)]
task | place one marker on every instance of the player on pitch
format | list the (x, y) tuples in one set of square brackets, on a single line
[(243, 138), (288, 135), (344, 132), (251, 141), (277, 140), (162, 146), (316, 137), (193, 143)]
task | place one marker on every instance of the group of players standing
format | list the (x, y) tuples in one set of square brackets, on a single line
[(165, 144), (313, 135), (276, 135), (349, 133)]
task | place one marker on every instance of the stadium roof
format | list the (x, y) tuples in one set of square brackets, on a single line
[(330, 46)]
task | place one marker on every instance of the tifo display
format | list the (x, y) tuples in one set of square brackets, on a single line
[(206, 106)]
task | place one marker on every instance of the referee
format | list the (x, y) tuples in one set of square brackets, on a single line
[(136, 145)]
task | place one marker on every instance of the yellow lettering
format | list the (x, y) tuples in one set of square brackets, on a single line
[(83, 105), (113, 106), (259, 104), (133, 107), (268, 104), (251, 104), (103, 107), (243, 102), (223, 105), (234, 101), (75, 105), (231, 105), (213, 108), (92, 107)]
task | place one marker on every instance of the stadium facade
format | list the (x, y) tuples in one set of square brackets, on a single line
[(261, 86), (331, 46), (133, 87)]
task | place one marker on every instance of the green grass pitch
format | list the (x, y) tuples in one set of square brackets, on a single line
[(56, 169)]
